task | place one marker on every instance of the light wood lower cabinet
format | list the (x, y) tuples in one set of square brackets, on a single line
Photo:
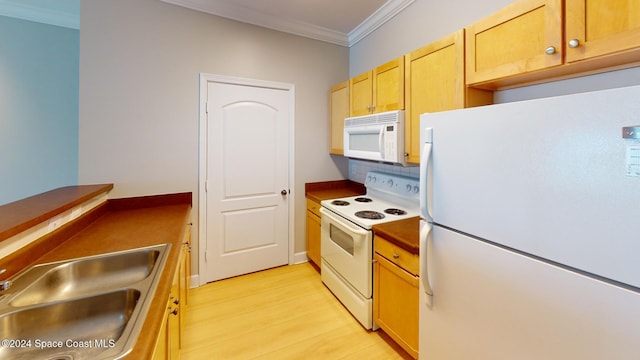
[(169, 341), (395, 298), (313, 231)]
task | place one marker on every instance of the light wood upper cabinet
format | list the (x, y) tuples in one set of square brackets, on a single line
[(338, 111), (378, 90), (434, 82), (361, 94), (600, 27), (534, 41), (388, 86), (522, 37)]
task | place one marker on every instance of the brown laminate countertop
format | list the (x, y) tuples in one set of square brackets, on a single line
[(318, 191), (21, 215), (404, 233), (124, 224)]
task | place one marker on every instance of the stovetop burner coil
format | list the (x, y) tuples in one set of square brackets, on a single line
[(363, 199), (392, 211), (340, 203), (369, 214)]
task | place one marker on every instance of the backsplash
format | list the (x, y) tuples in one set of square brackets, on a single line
[(358, 169)]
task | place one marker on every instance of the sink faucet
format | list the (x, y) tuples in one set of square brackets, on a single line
[(6, 284)]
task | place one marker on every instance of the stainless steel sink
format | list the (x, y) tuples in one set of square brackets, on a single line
[(74, 329), (85, 308), (68, 280)]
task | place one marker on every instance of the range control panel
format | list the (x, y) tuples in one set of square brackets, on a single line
[(393, 183)]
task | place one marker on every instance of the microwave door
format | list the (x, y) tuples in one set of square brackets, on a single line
[(364, 142)]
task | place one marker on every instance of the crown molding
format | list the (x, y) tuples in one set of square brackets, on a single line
[(385, 13), (254, 17), (15, 9)]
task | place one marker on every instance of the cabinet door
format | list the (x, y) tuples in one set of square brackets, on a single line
[(338, 111), (515, 40), (173, 322), (433, 83), (360, 94), (388, 86), (395, 303), (313, 231), (186, 269), (161, 350), (600, 27)]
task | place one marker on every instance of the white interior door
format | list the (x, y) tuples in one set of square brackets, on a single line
[(247, 179)]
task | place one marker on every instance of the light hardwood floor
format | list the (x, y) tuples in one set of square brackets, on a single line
[(281, 313)]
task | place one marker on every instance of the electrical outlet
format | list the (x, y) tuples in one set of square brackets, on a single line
[(75, 213), (54, 223)]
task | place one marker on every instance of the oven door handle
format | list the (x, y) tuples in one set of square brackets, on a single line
[(344, 223)]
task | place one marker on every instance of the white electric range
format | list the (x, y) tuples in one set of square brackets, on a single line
[(347, 238)]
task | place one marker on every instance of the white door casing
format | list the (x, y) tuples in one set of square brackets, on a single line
[(246, 157)]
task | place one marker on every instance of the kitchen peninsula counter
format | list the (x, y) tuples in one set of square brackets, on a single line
[(121, 224)]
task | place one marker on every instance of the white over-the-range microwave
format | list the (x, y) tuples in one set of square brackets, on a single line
[(378, 137)]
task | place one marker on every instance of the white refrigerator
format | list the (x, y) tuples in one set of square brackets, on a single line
[(530, 231)]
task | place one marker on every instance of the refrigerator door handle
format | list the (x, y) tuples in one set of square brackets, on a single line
[(425, 231), (425, 157)]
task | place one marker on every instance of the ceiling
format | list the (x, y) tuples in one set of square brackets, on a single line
[(342, 22)]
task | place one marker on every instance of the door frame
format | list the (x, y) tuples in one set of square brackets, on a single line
[(203, 153)]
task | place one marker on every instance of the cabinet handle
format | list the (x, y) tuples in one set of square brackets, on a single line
[(175, 311), (176, 301), (574, 43), (550, 50), (395, 256)]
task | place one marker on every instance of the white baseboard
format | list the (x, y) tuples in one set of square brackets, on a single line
[(300, 258)]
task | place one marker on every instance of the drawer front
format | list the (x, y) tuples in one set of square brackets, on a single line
[(397, 255), (314, 207)]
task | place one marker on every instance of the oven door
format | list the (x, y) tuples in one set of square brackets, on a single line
[(348, 249)]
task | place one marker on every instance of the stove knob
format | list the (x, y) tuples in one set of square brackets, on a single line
[(409, 188), (390, 183), (416, 189)]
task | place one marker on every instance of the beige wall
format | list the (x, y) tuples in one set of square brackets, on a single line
[(139, 67), (421, 23)]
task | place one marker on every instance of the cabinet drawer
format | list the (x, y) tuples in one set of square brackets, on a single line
[(314, 207), (397, 255)]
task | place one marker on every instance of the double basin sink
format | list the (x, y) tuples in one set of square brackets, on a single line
[(84, 308)]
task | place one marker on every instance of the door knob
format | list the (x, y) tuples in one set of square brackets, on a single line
[(284, 192)]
